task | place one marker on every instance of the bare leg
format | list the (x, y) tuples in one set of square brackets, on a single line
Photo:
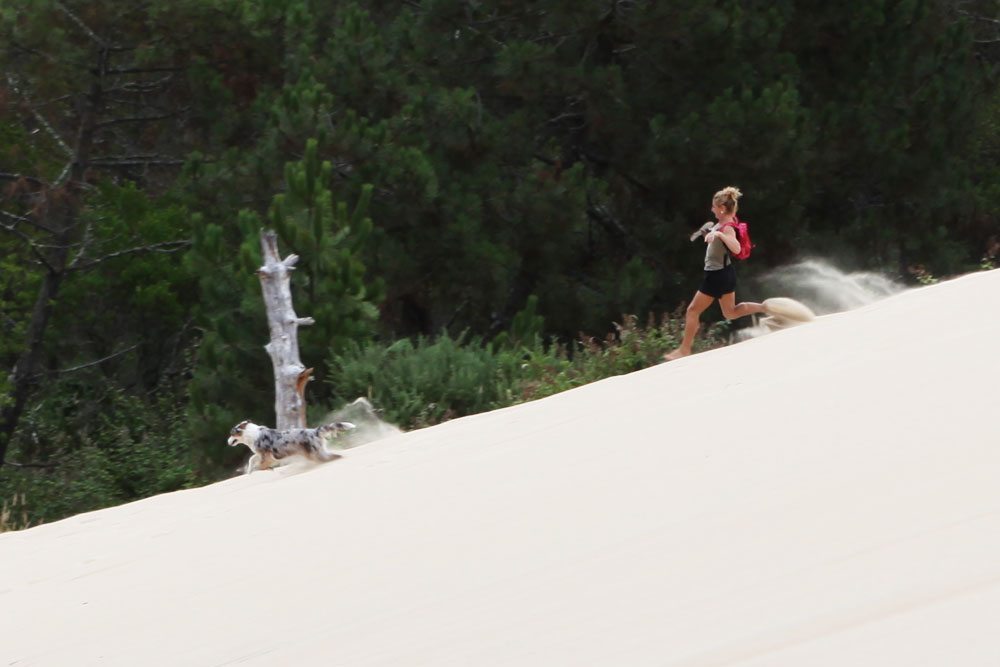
[(692, 321), (732, 311)]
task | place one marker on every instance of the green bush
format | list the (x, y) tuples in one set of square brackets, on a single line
[(424, 382), (630, 347), (79, 455)]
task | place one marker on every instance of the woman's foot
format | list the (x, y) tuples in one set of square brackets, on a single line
[(676, 354)]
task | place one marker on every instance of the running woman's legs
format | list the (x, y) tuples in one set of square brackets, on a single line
[(692, 320)]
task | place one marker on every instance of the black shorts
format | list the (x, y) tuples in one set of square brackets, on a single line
[(719, 282)]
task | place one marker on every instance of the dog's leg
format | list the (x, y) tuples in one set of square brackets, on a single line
[(323, 456), (318, 453), (252, 463)]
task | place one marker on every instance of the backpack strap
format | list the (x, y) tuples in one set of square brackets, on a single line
[(729, 256)]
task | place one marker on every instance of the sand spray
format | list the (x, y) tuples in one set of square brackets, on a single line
[(822, 287), (369, 426)]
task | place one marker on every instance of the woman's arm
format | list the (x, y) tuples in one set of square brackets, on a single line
[(727, 236)]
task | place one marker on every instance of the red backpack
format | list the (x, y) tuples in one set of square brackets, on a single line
[(743, 236)]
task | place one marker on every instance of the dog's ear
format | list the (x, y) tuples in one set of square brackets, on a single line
[(239, 427)]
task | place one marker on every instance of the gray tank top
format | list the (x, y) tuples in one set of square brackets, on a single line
[(716, 254)]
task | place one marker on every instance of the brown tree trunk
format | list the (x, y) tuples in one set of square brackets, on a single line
[(23, 374), (63, 216)]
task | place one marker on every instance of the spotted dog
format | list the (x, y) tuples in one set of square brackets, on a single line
[(269, 445)]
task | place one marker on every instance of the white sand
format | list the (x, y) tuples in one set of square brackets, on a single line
[(828, 495)]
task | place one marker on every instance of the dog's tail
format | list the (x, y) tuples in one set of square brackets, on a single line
[(334, 428)]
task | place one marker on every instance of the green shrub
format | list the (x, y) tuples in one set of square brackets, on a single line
[(79, 455), (423, 382), (630, 347)]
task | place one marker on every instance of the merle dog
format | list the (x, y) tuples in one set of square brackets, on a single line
[(269, 445)]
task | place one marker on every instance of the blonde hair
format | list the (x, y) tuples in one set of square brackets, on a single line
[(726, 198)]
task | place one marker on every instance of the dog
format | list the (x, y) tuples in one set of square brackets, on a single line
[(270, 445), (783, 313)]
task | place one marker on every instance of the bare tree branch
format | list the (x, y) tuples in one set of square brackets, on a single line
[(144, 70), (142, 86), (992, 25), (17, 232), (139, 119), (977, 17), (15, 218), (17, 46), (35, 247), (64, 174), (7, 176), (165, 247), (83, 26), (39, 117), (134, 160), (86, 238), (20, 219), (54, 100), (63, 371)]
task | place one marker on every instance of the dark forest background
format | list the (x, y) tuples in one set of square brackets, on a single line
[(489, 198)]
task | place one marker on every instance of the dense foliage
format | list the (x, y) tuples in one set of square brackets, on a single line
[(476, 190)]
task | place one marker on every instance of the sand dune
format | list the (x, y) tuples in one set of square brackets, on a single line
[(823, 495)]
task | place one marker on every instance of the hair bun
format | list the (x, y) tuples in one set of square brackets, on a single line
[(731, 192), (726, 198)]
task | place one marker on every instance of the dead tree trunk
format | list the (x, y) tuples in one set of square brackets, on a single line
[(290, 376)]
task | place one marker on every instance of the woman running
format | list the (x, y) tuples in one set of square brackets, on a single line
[(720, 274)]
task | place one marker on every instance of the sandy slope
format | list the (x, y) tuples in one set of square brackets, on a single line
[(826, 495)]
